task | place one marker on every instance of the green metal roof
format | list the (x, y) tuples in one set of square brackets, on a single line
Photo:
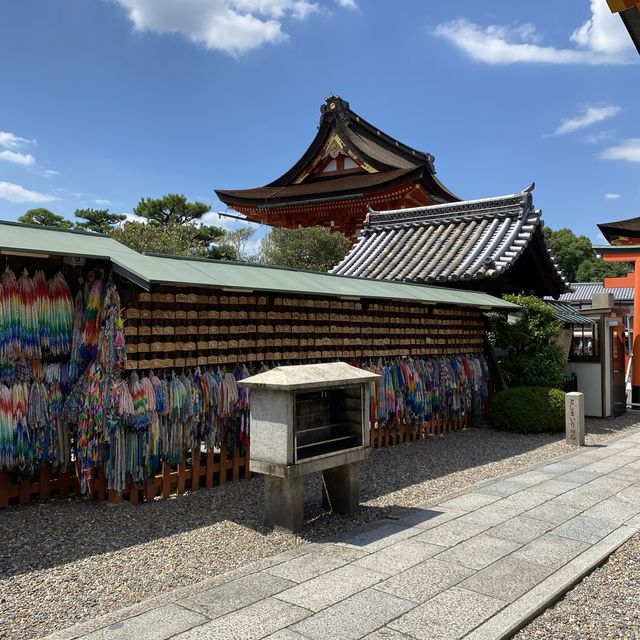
[(568, 314), (153, 269)]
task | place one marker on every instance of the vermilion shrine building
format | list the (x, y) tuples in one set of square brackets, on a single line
[(349, 166)]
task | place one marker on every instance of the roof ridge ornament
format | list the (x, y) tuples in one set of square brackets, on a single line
[(333, 103), (530, 188)]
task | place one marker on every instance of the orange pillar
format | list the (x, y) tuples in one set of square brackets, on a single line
[(635, 367)]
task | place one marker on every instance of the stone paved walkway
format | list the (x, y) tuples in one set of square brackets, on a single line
[(478, 565)]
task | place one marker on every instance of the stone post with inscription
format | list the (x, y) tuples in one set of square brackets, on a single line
[(574, 418)]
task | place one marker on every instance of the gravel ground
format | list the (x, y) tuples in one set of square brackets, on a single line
[(71, 560)]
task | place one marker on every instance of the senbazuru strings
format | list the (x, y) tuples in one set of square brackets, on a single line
[(65, 399)]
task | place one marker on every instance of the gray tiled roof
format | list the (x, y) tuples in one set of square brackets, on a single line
[(448, 243), (583, 292)]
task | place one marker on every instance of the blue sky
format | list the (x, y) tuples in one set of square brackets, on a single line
[(107, 101)]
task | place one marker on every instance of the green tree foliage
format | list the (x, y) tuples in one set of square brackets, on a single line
[(171, 239), (596, 270), (528, 409), (236, 243), (98, 220), (575, 257), (45, 217), (215, 240), (312, 248), (531, 355), (174, 208)]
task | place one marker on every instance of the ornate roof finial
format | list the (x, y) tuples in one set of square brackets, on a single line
[(530, 188), (333, 103)]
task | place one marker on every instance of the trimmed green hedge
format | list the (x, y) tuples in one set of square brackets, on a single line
[(528, 409)]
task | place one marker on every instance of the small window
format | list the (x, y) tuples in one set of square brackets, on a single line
[(584, 343), (332, 166)]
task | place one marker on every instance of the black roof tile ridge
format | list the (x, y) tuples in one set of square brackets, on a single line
[(521, 202), (515, 210), (522, 196)]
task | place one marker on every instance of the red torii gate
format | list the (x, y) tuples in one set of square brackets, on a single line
[(630, 254)]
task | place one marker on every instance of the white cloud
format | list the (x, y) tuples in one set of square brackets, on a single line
[(601, 136), (600, 40), (603, 33), (347, 4), (132, 217), (212, 218), (17, 158), (231, 26), (628, 149), (103, 201), (590, 116), (10, 140), (15, 193), (612, 196)]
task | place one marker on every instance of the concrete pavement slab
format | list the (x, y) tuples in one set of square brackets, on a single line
[(329, 588), (520, 529), (448, 616), (470, 501), (586, 529), (385, 633), (429, 517), (555, 487), (425, 580), (613, 510), (507, 579), (236, 594), (551, 551), (376, 538), (315, 563), (158, 624), (478, 552), (504, 488), (354, 617), (249, 623), (451, 533), (398, 557), (553, 511)]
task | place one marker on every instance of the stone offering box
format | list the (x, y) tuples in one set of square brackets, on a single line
[(305, 419)]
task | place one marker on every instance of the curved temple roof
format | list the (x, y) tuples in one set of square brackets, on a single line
[(491, 239), (385, 157)]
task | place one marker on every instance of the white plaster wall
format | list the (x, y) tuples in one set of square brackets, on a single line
[(608, 371), (589, 383)]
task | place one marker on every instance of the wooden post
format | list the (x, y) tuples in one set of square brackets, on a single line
[(235, 474), (25, 492), (247, 462), (150, 489), (4, 490), (133, 493), (208, 481), (223, 463), (166, 480), (63, 484), (195, 468), (45, 480), (182, 476), (100, 484), (114, 497)]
